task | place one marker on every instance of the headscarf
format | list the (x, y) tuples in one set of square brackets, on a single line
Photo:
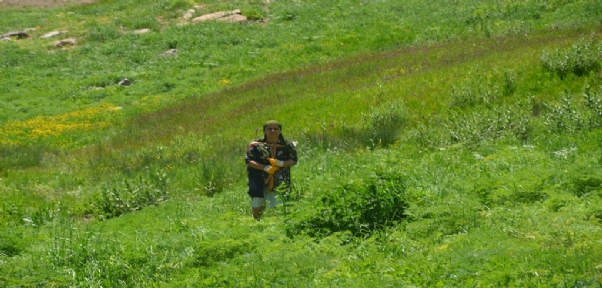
[(273, 122)]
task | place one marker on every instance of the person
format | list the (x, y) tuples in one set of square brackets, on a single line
[(268, 162)]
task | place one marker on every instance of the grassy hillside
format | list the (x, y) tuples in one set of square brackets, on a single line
[(445, 143)]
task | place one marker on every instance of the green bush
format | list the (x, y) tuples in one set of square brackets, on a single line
[(360, 207), (593, 102), (383, 123), (113, 202), (504, 122), (580, 59), (573, 114), (253, 14), (12, 244), (478, 90), (586, 183)]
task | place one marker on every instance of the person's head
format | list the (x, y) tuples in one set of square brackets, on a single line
[(272, 129)]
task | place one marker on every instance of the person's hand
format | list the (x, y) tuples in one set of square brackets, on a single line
[(276, 162), (270, 169)]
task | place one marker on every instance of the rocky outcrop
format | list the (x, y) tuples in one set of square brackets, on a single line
[(228, 16), (236, 18), (52, 34), (18, 34), (168, 53), (188, 15), (142, 31), (64, 42)]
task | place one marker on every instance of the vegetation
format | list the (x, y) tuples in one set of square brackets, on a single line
[(442, 143)]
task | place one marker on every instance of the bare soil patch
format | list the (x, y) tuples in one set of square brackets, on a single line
[(42, 3)]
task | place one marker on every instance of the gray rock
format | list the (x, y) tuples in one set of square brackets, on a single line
[(52, 34), (125, 82), (216, 15), (64, 42), (236, 18), (168, 53), (142, 31), (19, 34), (188, 14)]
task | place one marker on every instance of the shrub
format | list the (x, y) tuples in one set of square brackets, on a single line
[(113, 202), (556, 203), (360, 207), (586, 183), (176, 5), (503, 122), (593, 102), (573, 114), (479, 90), (383, 123), (12, 244), (253, 14), (427, 134), (580, 59)]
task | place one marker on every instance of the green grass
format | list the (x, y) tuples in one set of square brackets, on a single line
[(449, 147), (212, 52)]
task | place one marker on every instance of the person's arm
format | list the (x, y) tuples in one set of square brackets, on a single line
[(256, 165), (293, 155), (251, 157), (281, 163), (289, 163), (270, 169)]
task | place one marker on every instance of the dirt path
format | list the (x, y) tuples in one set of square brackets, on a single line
[(42, 3)]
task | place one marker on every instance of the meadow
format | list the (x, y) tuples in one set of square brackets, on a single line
[(442, 144)]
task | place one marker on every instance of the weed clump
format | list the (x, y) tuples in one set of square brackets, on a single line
[(384, 122), (586, 184), (116, 201), (210, 252), (573, 114), (501, 123), (580, 59), (12, 244), (361, 207)]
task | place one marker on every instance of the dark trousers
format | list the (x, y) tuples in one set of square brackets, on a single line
[(255, 182)]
